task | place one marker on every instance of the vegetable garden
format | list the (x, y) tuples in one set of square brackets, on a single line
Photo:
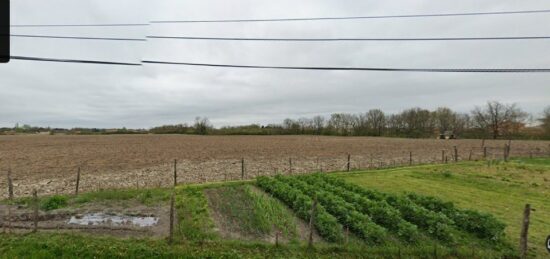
[(379, 218)]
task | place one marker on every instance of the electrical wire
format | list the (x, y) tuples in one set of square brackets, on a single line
[(350, 39), (73, 61), (81, 25), (75, 38), (453, 70), (356, 17)]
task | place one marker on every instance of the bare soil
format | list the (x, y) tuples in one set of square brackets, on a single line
[(49, 163)]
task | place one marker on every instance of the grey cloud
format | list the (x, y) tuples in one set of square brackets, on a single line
[(70, 95)]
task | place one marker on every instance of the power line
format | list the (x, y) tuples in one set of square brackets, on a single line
[(448, 70), (75, 38), (438, 70), (355, 17), (82, 25), (351, 39), (73, 61)]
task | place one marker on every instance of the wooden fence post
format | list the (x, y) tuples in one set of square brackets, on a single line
[(175, 172), (524, 231), (470, 155), (483, 142), (442, 156), (9, 219), (410, 158), (10, 185), (171, 237), (277, 239), (242, 168), (35, 216), (349, 162), (505, 155), (77, 181), (456, 154), (312, 221), (484, 152), (290, 165)]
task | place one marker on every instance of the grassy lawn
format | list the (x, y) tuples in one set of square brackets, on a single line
[(501, 189)]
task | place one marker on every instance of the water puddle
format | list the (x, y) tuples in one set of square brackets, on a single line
[(96, 219)]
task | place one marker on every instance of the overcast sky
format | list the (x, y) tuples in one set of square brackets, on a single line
[(80, 95)]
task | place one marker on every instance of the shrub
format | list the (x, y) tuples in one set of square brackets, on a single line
[(54, 202)]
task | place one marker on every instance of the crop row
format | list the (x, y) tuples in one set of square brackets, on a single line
[(358, 223), (326, 224), (434, 223), (432, 211), (380, 211), (482, 225)]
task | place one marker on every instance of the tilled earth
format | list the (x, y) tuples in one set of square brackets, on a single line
[(49, 163)]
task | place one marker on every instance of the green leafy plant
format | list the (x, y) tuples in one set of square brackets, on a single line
[(54, 202)]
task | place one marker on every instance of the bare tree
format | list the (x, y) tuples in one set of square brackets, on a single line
[(291, 126), (545, 120), (202, 125), (376, 120), (305, 125), (318, 124), (498, 118), (445, 119)]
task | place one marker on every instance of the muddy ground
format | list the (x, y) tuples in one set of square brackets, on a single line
[(20, 219), (49, 163)]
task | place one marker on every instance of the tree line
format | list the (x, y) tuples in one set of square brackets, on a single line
[(491, 120)]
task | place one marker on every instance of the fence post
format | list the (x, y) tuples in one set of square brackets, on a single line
[(456, 154), (483, 142), (290, 165), (77, 181), (470, 155), (442, 156), (349, 162), (10, 185), (505, 156), (9, 218), (524, 231), (410, 158), (277, 239), (35, 216), (312, 221), (175, 172), (484, 152), (242, 168), (171, 237)]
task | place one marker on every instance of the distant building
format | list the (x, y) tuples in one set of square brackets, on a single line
[(449, 134)]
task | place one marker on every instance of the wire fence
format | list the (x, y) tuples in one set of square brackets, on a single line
[(63, 179)]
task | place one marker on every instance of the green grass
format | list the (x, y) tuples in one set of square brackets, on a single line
[(501, 189), (146, 197), (85, 246)]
